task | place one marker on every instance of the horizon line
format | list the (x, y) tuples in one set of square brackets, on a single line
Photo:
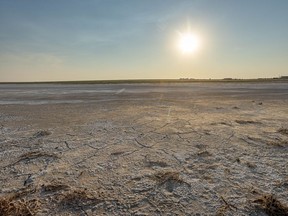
[(127, 81)]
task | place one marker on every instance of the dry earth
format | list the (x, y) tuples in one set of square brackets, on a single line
[(145, 149)]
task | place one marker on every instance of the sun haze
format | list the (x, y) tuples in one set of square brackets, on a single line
[(188, 43)]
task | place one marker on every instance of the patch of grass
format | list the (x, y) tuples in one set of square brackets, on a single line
[(34, 155), (163, 177), (156, 163), (76, 198), (279, 143), (246, 122), (238, 160), (117, 153), (271, 206), (283, 131), (54, 187), (41, 134), (283, 183), (221, 123), (17, 204), (23, 207), (204, 153), (169, 179), (251, 165), (222, 210)]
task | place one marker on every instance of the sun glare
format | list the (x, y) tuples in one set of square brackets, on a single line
[(188, 43)]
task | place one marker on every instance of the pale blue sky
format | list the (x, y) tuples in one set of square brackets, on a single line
[(135, 39)]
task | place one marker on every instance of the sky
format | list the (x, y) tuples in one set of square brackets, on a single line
[(137, 39)]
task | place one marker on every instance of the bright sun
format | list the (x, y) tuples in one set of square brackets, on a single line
[(188, 43)]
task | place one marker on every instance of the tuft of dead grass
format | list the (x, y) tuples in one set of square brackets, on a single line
[(163, 177), (41, 134), (283, 131), (169, 179), (76, 198), (54, 187), (17, 204), (23, 193), (34, 155), (279, 143), (271, 206), (204, 153), (223, 209), (10, 205), (31, 156), (251, 165), (156, 163), (246, 122), (117, 153)]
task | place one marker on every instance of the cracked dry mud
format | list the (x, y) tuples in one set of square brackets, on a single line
[(169, 149)]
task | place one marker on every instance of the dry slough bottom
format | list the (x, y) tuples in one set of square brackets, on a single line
[(164, 156)]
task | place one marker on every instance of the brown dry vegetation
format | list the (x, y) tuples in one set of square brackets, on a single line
[(17, 204), (283, 131), (271, 205)]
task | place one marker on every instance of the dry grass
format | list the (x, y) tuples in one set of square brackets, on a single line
[(156, 163), (283, 131), (251, 165), (34, 155), (279, 143), (204, 153), (246, 122), (223, 209), (271, 206), (41, 134), (54, 187), (117, 153), (169, 179), (77, 198), (163, 177), (18, 205)]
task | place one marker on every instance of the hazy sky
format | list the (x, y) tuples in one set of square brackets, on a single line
[(43, 40)]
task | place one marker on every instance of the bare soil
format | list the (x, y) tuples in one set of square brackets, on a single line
[(157, 149)]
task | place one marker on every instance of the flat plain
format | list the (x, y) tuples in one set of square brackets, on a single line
[(144, 149)]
